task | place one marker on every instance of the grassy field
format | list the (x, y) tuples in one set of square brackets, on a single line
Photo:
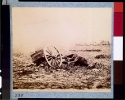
[(27, 76)]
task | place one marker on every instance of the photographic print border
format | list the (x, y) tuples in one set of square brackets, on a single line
[(5, 54), (40, 94), (118, 79)]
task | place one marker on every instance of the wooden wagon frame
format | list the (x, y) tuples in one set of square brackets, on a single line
[(50, 54)]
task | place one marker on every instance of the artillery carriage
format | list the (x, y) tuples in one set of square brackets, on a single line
[(49, 54)]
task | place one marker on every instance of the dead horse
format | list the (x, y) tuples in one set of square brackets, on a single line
[(76, 60)]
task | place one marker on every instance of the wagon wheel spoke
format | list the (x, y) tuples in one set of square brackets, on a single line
[(54, 51), (49, 59), (58, 61), (48, 56), (48, 52), (52, 62), (58, 56), (55, 62)]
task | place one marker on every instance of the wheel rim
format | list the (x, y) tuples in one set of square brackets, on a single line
[(52, 56)]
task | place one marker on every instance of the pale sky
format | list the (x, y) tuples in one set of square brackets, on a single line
[(34, 28)]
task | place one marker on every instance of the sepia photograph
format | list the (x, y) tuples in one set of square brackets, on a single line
[(61, 49)]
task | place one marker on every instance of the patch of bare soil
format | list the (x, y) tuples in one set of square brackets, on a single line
[(96, 76)]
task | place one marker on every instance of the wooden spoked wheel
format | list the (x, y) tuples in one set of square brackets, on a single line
[(52, 56)]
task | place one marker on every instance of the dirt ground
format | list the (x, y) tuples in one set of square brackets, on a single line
[(97, 76)]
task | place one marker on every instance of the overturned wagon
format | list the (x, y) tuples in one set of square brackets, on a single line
[(49, 54)]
